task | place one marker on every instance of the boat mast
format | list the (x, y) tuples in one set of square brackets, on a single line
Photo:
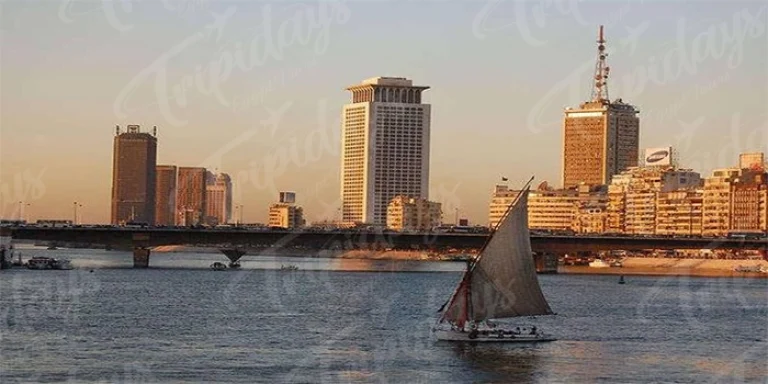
[(468, 307), (504, 216)]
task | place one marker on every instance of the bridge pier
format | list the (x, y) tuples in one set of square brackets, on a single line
[(234, 255), (141, 257), (545, 262), (140, 250), (5, 242)]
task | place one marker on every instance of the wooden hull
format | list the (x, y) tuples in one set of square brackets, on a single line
[(446, 335)]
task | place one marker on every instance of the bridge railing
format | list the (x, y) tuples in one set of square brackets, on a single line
[(362, 239)]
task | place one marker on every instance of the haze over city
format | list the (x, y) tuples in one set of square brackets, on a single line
[(256, 90)]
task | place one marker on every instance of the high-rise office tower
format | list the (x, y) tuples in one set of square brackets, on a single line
[(190, 199), (133, 176), (219, 199), (600, 138), (165, 209), (385, 148)]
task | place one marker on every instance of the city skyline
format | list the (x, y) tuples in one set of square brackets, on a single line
[(498, 113)]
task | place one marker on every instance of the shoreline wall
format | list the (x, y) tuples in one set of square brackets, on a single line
[(326, 253)]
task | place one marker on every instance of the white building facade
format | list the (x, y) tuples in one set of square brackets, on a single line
[(385, 148), (408, 214), (283, 215)]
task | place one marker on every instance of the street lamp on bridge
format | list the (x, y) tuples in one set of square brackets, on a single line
[(75, 206), (22, 216), (238, 210)]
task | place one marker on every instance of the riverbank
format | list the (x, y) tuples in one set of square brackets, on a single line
[(632, 266), (325, 253), (640, 266)]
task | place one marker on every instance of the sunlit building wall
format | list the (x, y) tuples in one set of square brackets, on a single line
[(385, 148), (413, 214)]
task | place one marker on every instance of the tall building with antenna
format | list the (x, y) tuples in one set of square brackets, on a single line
[(133, 176), (601, 137)]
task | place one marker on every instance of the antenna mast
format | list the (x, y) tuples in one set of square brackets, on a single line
[(600, 90)]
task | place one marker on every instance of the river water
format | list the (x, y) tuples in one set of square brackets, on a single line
[(340, 321)]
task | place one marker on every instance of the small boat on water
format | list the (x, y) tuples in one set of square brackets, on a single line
[(597, 263), (217, 266), (40, 262), (62, 264), (501, 283), (289, 267), (234, 264)]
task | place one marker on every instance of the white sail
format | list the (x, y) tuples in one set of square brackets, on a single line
[(503, 282)]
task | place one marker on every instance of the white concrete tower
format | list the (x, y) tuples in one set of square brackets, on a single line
[(385, 148)]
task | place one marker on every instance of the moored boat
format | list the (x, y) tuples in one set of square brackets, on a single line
[(61, 264), (751, 269), (40, 262), (217, 266), (597, 263)]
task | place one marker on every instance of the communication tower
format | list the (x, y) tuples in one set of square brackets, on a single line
[(600, 90)]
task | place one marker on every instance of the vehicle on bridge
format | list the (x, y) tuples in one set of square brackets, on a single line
[(136, 224), (747, 235), (12, 223), (461, 229), (54, 223)]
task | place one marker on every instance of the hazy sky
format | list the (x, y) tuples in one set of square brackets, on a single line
[(255, 89)]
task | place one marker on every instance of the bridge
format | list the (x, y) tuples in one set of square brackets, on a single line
[(142, 239)]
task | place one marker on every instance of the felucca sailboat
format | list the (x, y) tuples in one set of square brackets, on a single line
[(500, 283)]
